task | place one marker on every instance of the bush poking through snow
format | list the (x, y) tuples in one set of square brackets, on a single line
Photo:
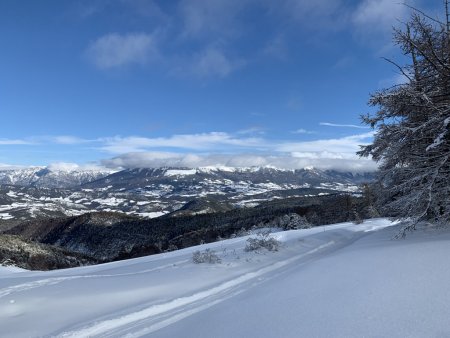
[(263, 241), (356, 218), (290, 221), (207, 256)]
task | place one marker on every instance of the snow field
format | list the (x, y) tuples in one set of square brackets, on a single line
[(339, 275)]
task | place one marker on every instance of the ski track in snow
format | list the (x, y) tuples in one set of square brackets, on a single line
[(111, 325), (56, 280)]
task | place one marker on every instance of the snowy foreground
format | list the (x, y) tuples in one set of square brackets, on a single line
[(343, 280)]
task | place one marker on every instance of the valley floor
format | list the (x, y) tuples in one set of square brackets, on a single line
[(343, 280)]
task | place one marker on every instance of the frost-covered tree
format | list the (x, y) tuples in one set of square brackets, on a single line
[(412, 139)]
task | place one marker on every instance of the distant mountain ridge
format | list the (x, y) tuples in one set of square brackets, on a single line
[(151, 192), (140, 177), (44, 177)]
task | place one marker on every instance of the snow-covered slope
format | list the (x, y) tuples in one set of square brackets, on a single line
[(343, 280)]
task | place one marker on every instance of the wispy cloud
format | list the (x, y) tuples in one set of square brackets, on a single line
[(211, 62), (229, 150), (252, 131), (87, 9), (68, 139), (323, 14), (4, 141), (238, 142), (373, 21), (202, 38), (338, 125), (347, 145), (250, 139), (378, 15), (168, 159), (217, 19), (200, 142), (246, 147), (397, 79), (116, 50), (148, 9), (303, 131), (69, 166), (4, 166)]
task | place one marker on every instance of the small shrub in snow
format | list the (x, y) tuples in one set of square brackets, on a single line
[(262, 241), (172, 247), (242, 232), (207, 256), (371, 212), (7, 262), (290, 221), (293, 221), (356, 217)]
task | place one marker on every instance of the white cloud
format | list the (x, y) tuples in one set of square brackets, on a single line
[(148, 9), (116, 50), (4, 141), (158, 159), (345, 146), (68, 166), (378, 16), (221, 141), (252, 130), (397, 79), (212, 62), (4, 166), (239, 149), (303, 131), (319, 14), (67, 139), (216, 18), (339, 153), (201, 142), (328, 124), (201, 38), (87, 9)]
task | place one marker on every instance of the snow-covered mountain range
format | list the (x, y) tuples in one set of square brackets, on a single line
[(44, 177), (151, 192)]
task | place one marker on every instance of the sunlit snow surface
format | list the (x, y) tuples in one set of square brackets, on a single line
[(342, 280)]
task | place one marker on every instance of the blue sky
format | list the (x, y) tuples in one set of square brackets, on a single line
[(125, 83)]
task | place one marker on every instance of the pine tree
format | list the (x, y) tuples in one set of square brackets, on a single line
[(412, 139)]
